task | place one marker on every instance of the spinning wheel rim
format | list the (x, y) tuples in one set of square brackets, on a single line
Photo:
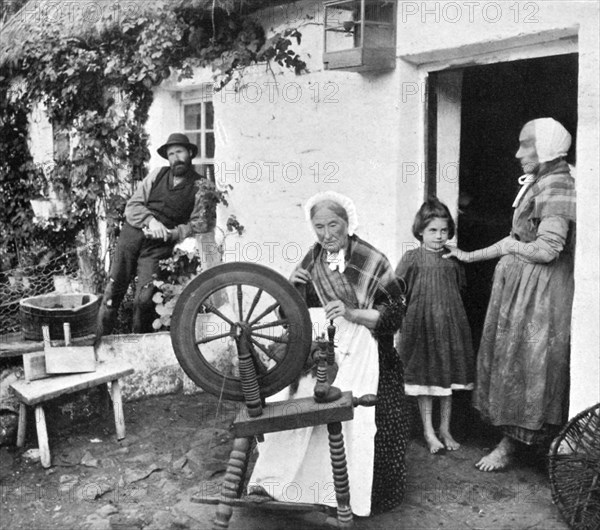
[(194, 298)]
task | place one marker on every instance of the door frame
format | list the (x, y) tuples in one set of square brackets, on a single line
[(442, 105)]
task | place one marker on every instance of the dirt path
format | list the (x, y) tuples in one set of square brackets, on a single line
[(177, 446)]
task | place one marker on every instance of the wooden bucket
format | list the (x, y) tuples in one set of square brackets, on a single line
[(80, 310)]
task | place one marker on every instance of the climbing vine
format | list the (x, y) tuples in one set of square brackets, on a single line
[(96, 89)]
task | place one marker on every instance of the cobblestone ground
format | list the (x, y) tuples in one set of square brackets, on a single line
[(177, 447)]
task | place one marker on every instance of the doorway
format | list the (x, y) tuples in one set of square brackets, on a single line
[(496, 101), (474, 116)]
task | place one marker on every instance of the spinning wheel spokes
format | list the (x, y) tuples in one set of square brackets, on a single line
[(268, 353), (240, 302), (214, 337), (268, 310), (280, 340), (280, 322), (212, 309), (254, 302)]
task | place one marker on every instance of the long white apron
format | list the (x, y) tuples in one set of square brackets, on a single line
[(295, 466)]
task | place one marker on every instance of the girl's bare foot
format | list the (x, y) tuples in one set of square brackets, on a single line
[(450, 443), (499, 458), (433, 443)]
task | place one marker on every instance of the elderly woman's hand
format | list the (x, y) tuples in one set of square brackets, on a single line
[(455, 252), (337, 308), (300, 276)]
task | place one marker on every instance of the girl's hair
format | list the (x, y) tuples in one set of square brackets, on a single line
[(332, 206), (431, 209)]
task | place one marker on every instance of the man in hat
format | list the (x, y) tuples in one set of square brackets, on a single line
[(166, 208)]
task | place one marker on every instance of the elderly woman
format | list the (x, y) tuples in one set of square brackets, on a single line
[(354, 284), (523, 360)]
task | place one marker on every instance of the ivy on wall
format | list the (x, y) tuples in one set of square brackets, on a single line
[(100, 86)]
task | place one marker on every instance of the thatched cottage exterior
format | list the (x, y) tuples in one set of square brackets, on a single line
[(441, 115)]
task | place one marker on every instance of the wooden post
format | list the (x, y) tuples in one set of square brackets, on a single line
[(22, 425), (115, 393), (42, 435), (340, 474), (46, 335), (67, 333), (231, 482)]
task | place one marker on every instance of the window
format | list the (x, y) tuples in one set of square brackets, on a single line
[(198, 125)]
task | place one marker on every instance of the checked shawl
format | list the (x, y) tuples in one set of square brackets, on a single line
[(552, 194), (368, 278)]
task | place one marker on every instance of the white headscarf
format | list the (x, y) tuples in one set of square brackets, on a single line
[(336, 260), (345, 202), (552, 140)]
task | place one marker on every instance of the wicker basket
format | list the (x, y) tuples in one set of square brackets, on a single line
[(574, 468)]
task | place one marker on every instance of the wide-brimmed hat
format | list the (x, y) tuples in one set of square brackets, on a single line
[(177, 139)]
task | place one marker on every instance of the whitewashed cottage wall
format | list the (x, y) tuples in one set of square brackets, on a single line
[(368, 129), (358, 134)]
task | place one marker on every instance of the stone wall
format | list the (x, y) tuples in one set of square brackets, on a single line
[(157, 371)]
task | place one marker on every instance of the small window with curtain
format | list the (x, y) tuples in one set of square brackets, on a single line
[(198, 125)]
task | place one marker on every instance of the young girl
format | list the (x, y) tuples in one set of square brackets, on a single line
[(435, 339)]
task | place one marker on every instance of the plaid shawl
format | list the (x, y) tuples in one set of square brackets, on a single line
[(552, 194), (368, 271)]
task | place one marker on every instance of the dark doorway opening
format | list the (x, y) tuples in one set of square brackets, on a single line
[(497, 100)]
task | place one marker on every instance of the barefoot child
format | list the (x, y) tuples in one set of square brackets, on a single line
[(435, 339)]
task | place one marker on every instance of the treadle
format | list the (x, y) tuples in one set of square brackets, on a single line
[(262, 502)]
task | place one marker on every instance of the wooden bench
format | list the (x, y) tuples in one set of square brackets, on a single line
[(35, 393)]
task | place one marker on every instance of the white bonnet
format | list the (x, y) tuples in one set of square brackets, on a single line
[(345, 202), (552, 140)]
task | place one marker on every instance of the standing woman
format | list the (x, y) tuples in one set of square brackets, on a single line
[(355, 285), (523, 362)]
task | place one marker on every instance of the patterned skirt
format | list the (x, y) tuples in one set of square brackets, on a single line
[(392, 419)]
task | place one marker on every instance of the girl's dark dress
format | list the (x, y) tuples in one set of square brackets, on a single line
[(435, 340)]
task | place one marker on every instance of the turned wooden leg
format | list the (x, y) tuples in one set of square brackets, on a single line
[(42, 435), (22, 425), (231, 482), (340, 475), (115, 394)]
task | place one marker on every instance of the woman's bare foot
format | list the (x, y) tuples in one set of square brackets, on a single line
[(449, 442), (499, 458), (433, 443)]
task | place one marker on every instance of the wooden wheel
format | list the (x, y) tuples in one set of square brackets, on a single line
[(237, 303), (574, 468)]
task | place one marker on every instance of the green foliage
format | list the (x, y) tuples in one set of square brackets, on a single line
[(180, 269), (100, 86)]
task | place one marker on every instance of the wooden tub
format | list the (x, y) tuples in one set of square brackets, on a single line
[(78, 309)]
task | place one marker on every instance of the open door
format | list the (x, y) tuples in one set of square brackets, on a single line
[(474, 116), (497, 100)]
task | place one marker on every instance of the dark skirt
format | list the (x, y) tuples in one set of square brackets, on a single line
[(392, 420)]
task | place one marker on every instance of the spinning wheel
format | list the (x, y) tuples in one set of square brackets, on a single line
[(249, 305), (574, 468), (242, 332)]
